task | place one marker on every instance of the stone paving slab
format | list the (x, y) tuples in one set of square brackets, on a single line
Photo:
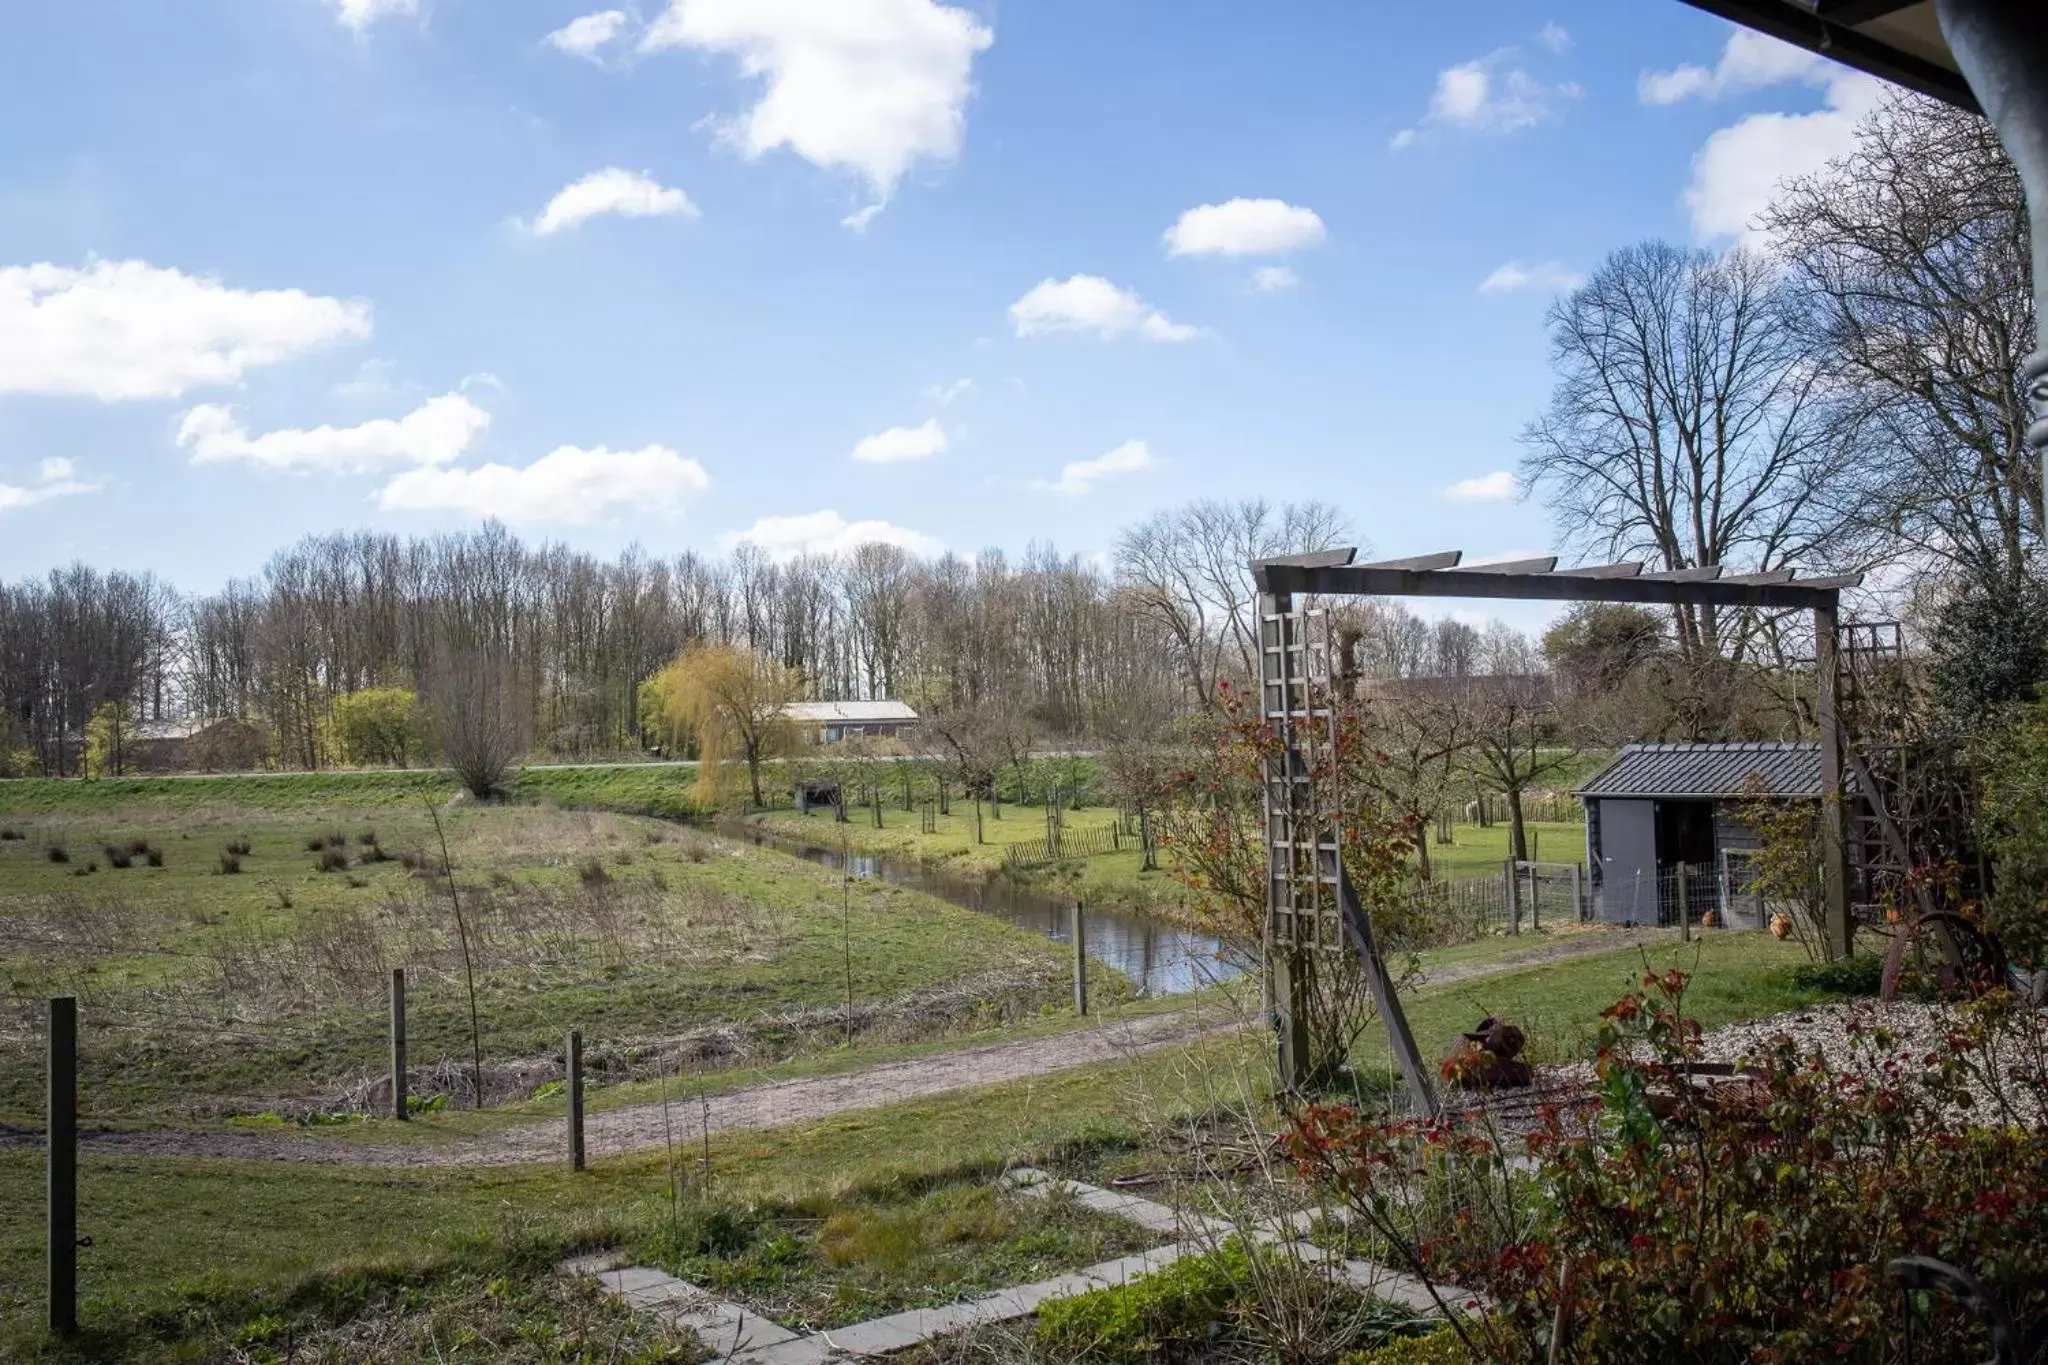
[(796, 1351)]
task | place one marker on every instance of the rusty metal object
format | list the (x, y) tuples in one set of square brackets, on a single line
[(1971, 961), (1489, 1058)]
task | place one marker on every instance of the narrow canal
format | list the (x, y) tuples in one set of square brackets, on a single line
[(1159, 958)]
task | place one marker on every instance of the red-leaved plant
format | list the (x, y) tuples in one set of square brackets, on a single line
[(1677, 1216)]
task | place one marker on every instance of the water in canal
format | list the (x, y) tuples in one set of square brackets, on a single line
[(1159, 958)]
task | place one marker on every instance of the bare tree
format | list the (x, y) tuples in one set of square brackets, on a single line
[(1519, 740), (1686, 425), (1189, 571), (1910, 258), (479, 703)]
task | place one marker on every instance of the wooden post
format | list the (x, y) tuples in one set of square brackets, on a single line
[(575, 1099), (1578, 901), (1684, 902), (1514, 885), (1834, 850), (63, 1173), (1078, 919), (398, 1105), (1400, 1038)]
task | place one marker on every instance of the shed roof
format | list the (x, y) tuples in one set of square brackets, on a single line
[(1705, 772), (849, 712)]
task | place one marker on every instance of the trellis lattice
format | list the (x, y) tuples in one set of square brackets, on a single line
[(1303, 837)]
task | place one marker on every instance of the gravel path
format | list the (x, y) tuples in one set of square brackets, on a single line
[(643, 1127)]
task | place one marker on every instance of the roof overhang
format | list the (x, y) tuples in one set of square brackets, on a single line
[(1900, 40)]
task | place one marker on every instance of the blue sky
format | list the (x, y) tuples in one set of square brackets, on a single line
[(278, 266)]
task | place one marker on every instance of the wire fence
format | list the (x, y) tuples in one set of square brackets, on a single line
[(1720, 895)]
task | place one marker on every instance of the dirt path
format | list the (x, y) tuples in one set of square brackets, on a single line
[(644, 1127)]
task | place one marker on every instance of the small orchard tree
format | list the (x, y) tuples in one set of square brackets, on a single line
[(732, 703), (1214, 826), (1519, 740), (380, 726)]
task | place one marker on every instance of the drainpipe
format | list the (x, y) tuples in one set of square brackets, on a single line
[(2002, 48)]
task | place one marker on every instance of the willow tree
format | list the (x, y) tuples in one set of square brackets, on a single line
[(731, 703)]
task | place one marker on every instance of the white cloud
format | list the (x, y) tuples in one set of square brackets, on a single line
[(1492, 94), (826, 533), (1556, 38), (1274, 279), (55, 478), (1089, 303), (1514, 275), (629, 194), (1749, 61), (437, 432), (127, 329), (587, 36), (1498, 486), (898, 444), (568, 486), (1080, 476), (944, 394), (358, 15), (867, 86), (1736, 174), (1244, 227)]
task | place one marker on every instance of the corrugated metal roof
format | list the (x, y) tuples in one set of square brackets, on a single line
[(848, 712), (1708, 771)]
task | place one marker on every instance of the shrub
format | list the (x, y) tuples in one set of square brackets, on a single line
[(1748, 1222), (154, 857), (1231, 1292), (239, 848), (85, 871), (118, 857), (316, 843), (230, 864), (7, 834), (367, 838), (331, 860), (1440, 1347), (1860, 974), (57, 854), (592, 874)]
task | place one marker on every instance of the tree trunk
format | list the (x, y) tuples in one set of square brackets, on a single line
[(754, 773), (1421, 843), (1518, 842)]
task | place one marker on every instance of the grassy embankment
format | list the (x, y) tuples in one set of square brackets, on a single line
[(209, 992), (197, 1251)]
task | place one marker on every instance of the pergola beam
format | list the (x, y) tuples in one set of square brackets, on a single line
[(1603, 583)]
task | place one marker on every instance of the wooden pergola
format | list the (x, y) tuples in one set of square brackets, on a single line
[(1310, 904)]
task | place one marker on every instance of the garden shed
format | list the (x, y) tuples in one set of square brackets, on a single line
[(1659, 807)]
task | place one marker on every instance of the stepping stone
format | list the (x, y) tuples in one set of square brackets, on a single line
[(590, 1263), (724, 1328), (1127, 1268), (796, 1351)]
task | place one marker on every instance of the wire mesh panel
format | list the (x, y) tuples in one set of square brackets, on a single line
[(1295, 658)]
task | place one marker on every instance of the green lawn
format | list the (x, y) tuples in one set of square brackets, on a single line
[(196, 1241)]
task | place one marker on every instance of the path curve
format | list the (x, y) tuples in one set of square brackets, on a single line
[(645, 1127)]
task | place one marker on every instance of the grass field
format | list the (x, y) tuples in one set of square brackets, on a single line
[(209, 993), (195, 1251)]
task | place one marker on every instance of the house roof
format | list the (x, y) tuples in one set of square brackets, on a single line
[(849, 712), (1704, 772)]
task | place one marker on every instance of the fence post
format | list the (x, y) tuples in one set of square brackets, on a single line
[(575, 1099), (1078, 919), (1684, 903), (1578, 904), (1535, 900), (398, 1043), (1510, 872), (63, 1175)]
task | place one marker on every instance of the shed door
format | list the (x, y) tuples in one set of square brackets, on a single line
[(1628, 862)]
